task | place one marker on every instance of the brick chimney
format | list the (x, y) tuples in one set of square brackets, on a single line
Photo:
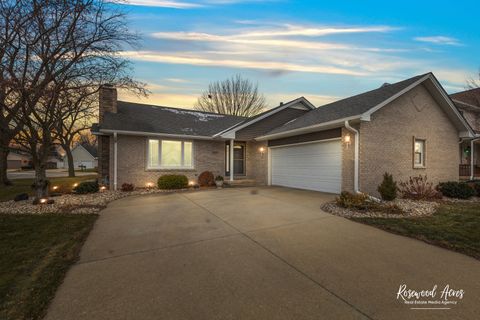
[(107, 101)]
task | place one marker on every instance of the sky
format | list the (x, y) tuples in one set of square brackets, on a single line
[(323, 50)]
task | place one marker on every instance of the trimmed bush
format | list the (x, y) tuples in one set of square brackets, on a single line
[(359, 201), (218, 178), (205, 179), (455, 189), (476, 186), (363, 202), (127, 187), (87, 187), (172, 181), (418, 188), (388, 188)]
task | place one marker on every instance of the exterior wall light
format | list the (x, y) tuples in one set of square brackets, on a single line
[(347, 140), (54, 188), (191, 183), (103, 188), (75, 185), (43, 200)]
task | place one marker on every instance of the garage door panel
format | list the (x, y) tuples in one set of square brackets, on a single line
[(313, 166)]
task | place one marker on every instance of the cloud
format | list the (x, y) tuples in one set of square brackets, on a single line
[(440, 40), (199, 60), (164, 4)]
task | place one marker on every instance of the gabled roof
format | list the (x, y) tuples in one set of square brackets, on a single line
[(149, 119), (90, 149), (348, 107), (248, 121), (470, 97), (361, 106)]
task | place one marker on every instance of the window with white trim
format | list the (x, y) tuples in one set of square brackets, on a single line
[(419, 153), (169, 154)]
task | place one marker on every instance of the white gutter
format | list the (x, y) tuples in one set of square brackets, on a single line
[(472, 157), (115, 161), (357, 151), (315, 127)]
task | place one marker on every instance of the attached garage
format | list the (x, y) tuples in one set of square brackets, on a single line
[(312, 166)]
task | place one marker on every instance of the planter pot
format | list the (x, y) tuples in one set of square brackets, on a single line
[(219, 183)]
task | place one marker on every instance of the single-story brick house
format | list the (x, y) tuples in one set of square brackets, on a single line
[(407, 128)]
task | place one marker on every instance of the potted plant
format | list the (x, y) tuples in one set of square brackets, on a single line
[(219, 181)]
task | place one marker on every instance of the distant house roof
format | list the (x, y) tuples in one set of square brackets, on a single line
[(90, 149), (349, 107)]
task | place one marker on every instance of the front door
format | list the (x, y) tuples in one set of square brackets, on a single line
[(238, 159)]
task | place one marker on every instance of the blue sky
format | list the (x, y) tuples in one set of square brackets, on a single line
[(323, 50)]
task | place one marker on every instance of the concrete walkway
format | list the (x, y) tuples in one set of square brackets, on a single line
[(267, 253)]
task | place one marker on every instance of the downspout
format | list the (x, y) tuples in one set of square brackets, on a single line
[(231, 159), (115, 161), (356, 156), (472, 158)]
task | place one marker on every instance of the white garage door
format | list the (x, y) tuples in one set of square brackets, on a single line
[(313, 166)]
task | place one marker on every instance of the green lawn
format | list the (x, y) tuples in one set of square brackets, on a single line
[(453, 226), (24, 186), (35, 253)]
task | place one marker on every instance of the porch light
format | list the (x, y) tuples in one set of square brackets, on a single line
[(347, 139), (261, 149), (149, 184)]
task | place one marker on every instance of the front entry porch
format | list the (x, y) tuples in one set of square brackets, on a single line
[(469, 167), (245, 163)]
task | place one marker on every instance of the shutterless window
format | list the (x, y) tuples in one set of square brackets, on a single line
[(419, 153), (170, 154)]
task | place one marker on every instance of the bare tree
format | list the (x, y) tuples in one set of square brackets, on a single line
[(235, 96), (77, 49), (79, 109)]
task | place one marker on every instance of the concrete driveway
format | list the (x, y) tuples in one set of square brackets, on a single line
[(267, 253)]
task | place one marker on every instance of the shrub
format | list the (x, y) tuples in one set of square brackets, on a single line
[(205, 179), (454, 189), (388, 188), (172, 181), (87, 187), (476, 186), (218, 178), (418, 188), (363, 202), (359, 201), (127, 187)]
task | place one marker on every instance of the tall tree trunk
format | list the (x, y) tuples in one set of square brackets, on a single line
[(71, 168), (41, 183), (3, 166)]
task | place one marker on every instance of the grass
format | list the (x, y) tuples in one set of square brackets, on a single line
[(24, 186), (453, 226), (87, 170), (35, 253)]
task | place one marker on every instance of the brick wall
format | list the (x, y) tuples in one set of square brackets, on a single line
[(386, 142), (132, 159), (257, 163)]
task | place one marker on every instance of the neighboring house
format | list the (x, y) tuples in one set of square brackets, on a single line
[(407, 128), (17, 159), (83, 155), (468, 102)]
